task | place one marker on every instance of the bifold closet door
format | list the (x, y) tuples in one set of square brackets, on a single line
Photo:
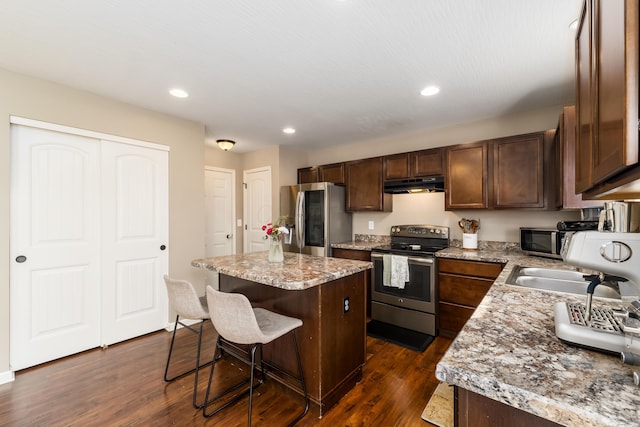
[(89, 237), (55, 245)]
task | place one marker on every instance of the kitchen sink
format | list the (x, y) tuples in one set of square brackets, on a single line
[(557, 280)]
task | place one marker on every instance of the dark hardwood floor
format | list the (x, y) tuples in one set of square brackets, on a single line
[(123, 386)]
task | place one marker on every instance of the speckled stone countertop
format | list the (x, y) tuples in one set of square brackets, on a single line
[(297, 272), (364, 242), (508, 351), (357, 245)]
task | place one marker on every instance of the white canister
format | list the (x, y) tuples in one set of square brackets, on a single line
[(470, 241)]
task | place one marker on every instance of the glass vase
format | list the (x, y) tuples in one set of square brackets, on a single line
[(275, 251)]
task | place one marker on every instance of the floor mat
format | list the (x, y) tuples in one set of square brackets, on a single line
[(394, 334), (439, 410)]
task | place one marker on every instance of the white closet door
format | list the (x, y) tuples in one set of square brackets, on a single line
[(55, 232), (134, 240)]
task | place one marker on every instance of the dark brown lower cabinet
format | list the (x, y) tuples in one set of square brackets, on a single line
[(461, 287), (474, 410)]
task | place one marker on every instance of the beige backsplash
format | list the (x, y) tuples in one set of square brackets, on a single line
[(428, 208)]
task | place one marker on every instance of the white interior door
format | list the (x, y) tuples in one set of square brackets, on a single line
[(257, 208), (219, 187), (134, 240), (55, 226)]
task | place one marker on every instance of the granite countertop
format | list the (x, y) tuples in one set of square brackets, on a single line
[(508, 351), (297, 272), (357, 245)]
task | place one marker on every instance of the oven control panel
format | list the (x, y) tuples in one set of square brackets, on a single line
[(429, 231)]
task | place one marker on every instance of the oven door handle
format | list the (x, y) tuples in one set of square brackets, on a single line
[(426, 260)]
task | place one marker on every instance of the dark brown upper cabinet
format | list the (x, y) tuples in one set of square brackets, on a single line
[(518, 171), (607, 96), (332, 173), (396, 166), (503, 173), (364, 180), (307, 175), (563, 171), (415, 164), (427, 162), (467, 171)]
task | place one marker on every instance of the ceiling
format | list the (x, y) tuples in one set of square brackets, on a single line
[(337, 71)]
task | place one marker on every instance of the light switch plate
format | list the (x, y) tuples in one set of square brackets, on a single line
[(370, 225)]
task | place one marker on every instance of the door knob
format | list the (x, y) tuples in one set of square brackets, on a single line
[(163, 247), (229, 236), (21, 258)]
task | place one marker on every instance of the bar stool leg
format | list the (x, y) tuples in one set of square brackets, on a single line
[(302, 382)]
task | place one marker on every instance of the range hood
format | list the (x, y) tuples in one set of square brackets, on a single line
[(433, 184)]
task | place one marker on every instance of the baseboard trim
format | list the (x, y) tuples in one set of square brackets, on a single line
[(171, 326), (7, 377)]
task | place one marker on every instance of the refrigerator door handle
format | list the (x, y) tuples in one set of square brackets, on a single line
[(300, 219)]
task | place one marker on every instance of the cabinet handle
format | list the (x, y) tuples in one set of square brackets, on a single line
[(21, 258), (163, 247)]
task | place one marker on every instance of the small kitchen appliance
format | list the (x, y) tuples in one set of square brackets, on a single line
[(616, 258), (414, 305), (621, 217)]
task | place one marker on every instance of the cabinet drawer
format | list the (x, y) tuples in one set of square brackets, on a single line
[(463, 290), (358, 255), (489, 270), (452, 317)]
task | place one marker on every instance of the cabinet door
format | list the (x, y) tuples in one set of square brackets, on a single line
[(565, 173), (364, 186), (427, 162), (467, 171), (518, 164), (307, 175), (584, 107), (396, 166), (616, 144), (332, 173)]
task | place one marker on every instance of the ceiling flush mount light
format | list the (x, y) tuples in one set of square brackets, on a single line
[(429, 91), (225, 144), (289, 130), (179, 93)]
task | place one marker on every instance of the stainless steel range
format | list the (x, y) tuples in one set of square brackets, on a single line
[(403, 286)]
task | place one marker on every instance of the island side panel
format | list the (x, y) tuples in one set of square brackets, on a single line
[(332, 343), (343, 344)]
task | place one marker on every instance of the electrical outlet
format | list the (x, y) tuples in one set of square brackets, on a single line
[(370, 225), (345, 305)]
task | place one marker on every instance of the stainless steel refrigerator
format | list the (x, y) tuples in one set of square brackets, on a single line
[(315, 216)]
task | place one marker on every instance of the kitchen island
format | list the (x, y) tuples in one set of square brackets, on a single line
[(508, 365), (327, 294)]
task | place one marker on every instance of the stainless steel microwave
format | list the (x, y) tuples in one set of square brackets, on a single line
[(546, 242)]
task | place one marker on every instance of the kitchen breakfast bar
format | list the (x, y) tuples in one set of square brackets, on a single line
[(327, 294)]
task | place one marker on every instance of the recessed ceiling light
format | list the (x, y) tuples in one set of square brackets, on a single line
[(289, 130), (430, 91), (179, 93), (574, 25)]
